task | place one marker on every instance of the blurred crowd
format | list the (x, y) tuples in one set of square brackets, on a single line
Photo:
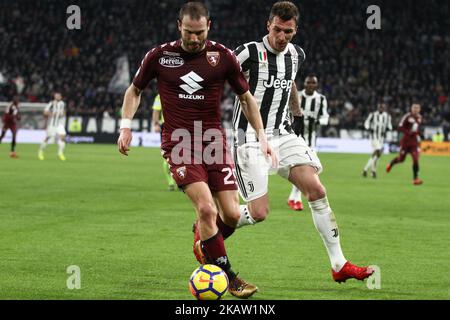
[(407, 60)]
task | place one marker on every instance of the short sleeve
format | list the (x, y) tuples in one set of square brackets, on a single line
[(243, 54), (147, 70), (235, 77)]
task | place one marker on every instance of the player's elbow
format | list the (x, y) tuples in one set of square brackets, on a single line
[(244, 104), (133, 91)]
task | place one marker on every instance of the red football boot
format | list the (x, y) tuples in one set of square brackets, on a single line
[(14, 155), (388, 168), (197, 247), (298, 206), (291, 204), (349, 270), (417, 182)]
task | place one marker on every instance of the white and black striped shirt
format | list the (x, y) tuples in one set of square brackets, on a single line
[(314, 109), (270, 75), (378, 123), (57, 114)]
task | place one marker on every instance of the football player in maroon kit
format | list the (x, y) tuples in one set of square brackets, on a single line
[(10, 119), (191, 73), (410, 142)]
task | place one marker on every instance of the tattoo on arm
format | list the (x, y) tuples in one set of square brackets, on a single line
[(294, 103)]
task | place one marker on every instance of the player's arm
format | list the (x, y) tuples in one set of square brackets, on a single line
[(250, 109), (389, 124), (131, 102), (132, 98), (16, 114), (47, 114), (402, 127), (323, 113), (294, 102), (367, 122), (298, 122), (156, 126)]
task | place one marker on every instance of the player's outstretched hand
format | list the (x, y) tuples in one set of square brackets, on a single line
[(268, 151), (273, 156), (124, 141)]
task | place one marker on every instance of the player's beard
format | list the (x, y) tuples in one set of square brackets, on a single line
[(281, 46), (195, 46)]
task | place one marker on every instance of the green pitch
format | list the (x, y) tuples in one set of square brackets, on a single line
[(113, 217)]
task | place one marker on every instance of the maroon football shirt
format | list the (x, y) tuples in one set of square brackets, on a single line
[(11, 114), (410, 126), (190, 84)]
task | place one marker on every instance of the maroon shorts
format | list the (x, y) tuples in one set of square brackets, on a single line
[(11, 125), (412, 149), (219, 175)]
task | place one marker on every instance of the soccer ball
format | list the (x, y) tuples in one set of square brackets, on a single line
[(208, 282)]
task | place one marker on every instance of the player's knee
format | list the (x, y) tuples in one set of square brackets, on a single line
[(232, 218), (317, 192), (260, 213), (207, 213)]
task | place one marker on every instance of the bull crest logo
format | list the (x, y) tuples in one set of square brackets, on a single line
[(213, 58)]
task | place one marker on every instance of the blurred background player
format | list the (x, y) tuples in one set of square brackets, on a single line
[(10, 119), (157, 126), (410, 142), (378, 123), (314, 110), (55, 119)]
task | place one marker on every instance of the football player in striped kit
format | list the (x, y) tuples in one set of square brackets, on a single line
[(378, 123), (55, 117), (270, 66), (314, 109)]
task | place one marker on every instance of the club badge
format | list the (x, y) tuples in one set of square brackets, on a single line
[(181, 172), (213, 58)]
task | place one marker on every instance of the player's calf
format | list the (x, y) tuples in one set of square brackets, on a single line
[(258, 210)]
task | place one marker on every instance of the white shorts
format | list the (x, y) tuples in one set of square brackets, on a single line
[(253, 168), (52, 131), (377, 144)]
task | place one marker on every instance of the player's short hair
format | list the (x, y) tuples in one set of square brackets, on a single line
[(311, 75), (195, 10), (285, 10)]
